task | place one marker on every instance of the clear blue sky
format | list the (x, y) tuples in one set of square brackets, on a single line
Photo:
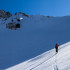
[(43, 7)]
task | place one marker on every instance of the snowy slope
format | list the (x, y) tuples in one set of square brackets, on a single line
[(48, 60), (37, 34)]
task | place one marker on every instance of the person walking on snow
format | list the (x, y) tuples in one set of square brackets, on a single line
[(56, 47)]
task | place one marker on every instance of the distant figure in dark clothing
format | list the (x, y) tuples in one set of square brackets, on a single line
[(56, 47)]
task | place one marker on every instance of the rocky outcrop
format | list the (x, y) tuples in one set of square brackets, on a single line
[(4, 14), (22, 14)]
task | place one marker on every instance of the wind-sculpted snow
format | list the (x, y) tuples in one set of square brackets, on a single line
[(36, 35), (48, 60)]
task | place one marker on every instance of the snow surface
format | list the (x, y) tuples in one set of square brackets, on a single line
[(37, 34), (48, 60)]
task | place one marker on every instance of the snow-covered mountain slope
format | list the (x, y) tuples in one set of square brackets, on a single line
[(36, 35), (48, 60)]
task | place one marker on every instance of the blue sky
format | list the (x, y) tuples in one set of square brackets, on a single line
[(34, 7)]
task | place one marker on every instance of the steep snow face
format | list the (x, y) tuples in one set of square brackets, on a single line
[(48, 60), (36, 35)]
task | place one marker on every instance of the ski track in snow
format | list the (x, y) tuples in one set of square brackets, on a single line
[(41, 63)]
